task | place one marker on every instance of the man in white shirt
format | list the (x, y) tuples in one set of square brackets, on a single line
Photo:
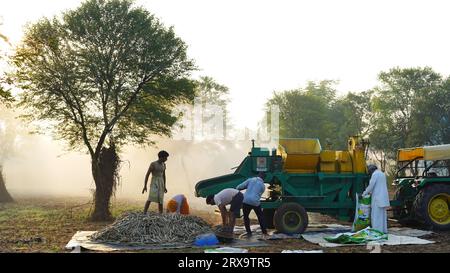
[(380, 198), (226, 197)]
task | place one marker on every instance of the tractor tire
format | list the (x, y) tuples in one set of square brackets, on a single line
[(402, 214), (268, 218), (431, 206), (291, 218), (398, 212)]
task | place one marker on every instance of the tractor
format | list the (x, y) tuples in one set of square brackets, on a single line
[(422, 182)]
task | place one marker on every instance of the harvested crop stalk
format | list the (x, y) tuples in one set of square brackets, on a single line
[(152, 228)]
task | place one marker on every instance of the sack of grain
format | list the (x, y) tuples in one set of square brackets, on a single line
[(362, 213)]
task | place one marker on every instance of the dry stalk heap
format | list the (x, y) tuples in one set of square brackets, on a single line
[(153, 228)]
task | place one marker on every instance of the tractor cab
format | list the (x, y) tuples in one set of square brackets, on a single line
[(422, 183), (423, 162)]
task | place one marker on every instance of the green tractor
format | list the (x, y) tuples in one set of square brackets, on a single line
[(422, 183)]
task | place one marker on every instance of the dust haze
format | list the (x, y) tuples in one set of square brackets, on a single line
[(41, 165)]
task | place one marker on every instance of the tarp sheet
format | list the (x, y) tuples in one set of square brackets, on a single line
[(81, 240), (396, 236)]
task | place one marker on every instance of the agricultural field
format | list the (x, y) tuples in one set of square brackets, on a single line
[(46, 224)]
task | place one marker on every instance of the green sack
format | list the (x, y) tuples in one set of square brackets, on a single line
[(362, 213), (361, 237)]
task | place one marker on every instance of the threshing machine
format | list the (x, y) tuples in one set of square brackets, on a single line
[(302, 177)]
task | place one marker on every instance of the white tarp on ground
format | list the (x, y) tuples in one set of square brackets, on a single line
[(302, 251), (314, 234), (396, 236), (81, 240), (226, 250)]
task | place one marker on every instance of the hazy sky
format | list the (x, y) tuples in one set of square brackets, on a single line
[(256, 47)]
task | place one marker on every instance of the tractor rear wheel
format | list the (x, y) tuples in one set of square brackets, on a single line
[(431, 206), (291, 218)]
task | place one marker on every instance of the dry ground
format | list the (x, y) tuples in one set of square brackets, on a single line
[(47, 224)]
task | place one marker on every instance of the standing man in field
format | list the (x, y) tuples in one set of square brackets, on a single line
[(252, 201), (380, 198), (158, 182)]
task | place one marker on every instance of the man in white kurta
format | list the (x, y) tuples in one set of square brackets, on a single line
[(380, 198)]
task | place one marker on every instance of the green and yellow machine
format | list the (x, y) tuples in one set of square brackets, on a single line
[(422, 185), (302, 177)]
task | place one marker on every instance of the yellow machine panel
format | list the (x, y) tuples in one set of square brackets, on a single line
[(306, 156), (344, 161), (410, 154), (357, 148), (300, 155), (328, 161)]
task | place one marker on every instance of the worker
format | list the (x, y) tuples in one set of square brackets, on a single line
[(380, 198), (158, 182), (226, 197), (178, 204), (252, 201)]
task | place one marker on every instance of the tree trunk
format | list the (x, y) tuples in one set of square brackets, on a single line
[(105, 173), (4, 195)]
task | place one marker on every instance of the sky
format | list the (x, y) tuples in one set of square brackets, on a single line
[(254, 48), (258, 47)]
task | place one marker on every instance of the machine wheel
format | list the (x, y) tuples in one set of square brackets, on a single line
[(268, 218), (431, 206), (291, 218), (403, 214)]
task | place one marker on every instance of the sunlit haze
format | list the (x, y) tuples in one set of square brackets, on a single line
[(256, 47)]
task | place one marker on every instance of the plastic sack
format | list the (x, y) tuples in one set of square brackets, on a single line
[(362, 213), (209, 239), (363, 236)]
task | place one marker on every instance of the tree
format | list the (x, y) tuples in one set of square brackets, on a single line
[(105, 74), (212, 93), (9, 131), (403, 111), (315, 112), (5, 95), (410, 109), (5, 100), (351, 115)]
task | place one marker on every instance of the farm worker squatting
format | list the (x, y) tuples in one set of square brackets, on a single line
[(178, 204), (252, 201), (380, 198), (158, 182)]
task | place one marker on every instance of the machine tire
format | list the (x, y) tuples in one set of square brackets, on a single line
[(403, 217), (426, 198), (268, 217), (291, 218)]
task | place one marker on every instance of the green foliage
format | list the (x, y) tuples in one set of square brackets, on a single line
[(316, 112), (106, 70), (5, 95), (209, 92), (410, 109)]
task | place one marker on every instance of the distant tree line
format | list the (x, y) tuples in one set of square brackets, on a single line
[(409, 107)]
